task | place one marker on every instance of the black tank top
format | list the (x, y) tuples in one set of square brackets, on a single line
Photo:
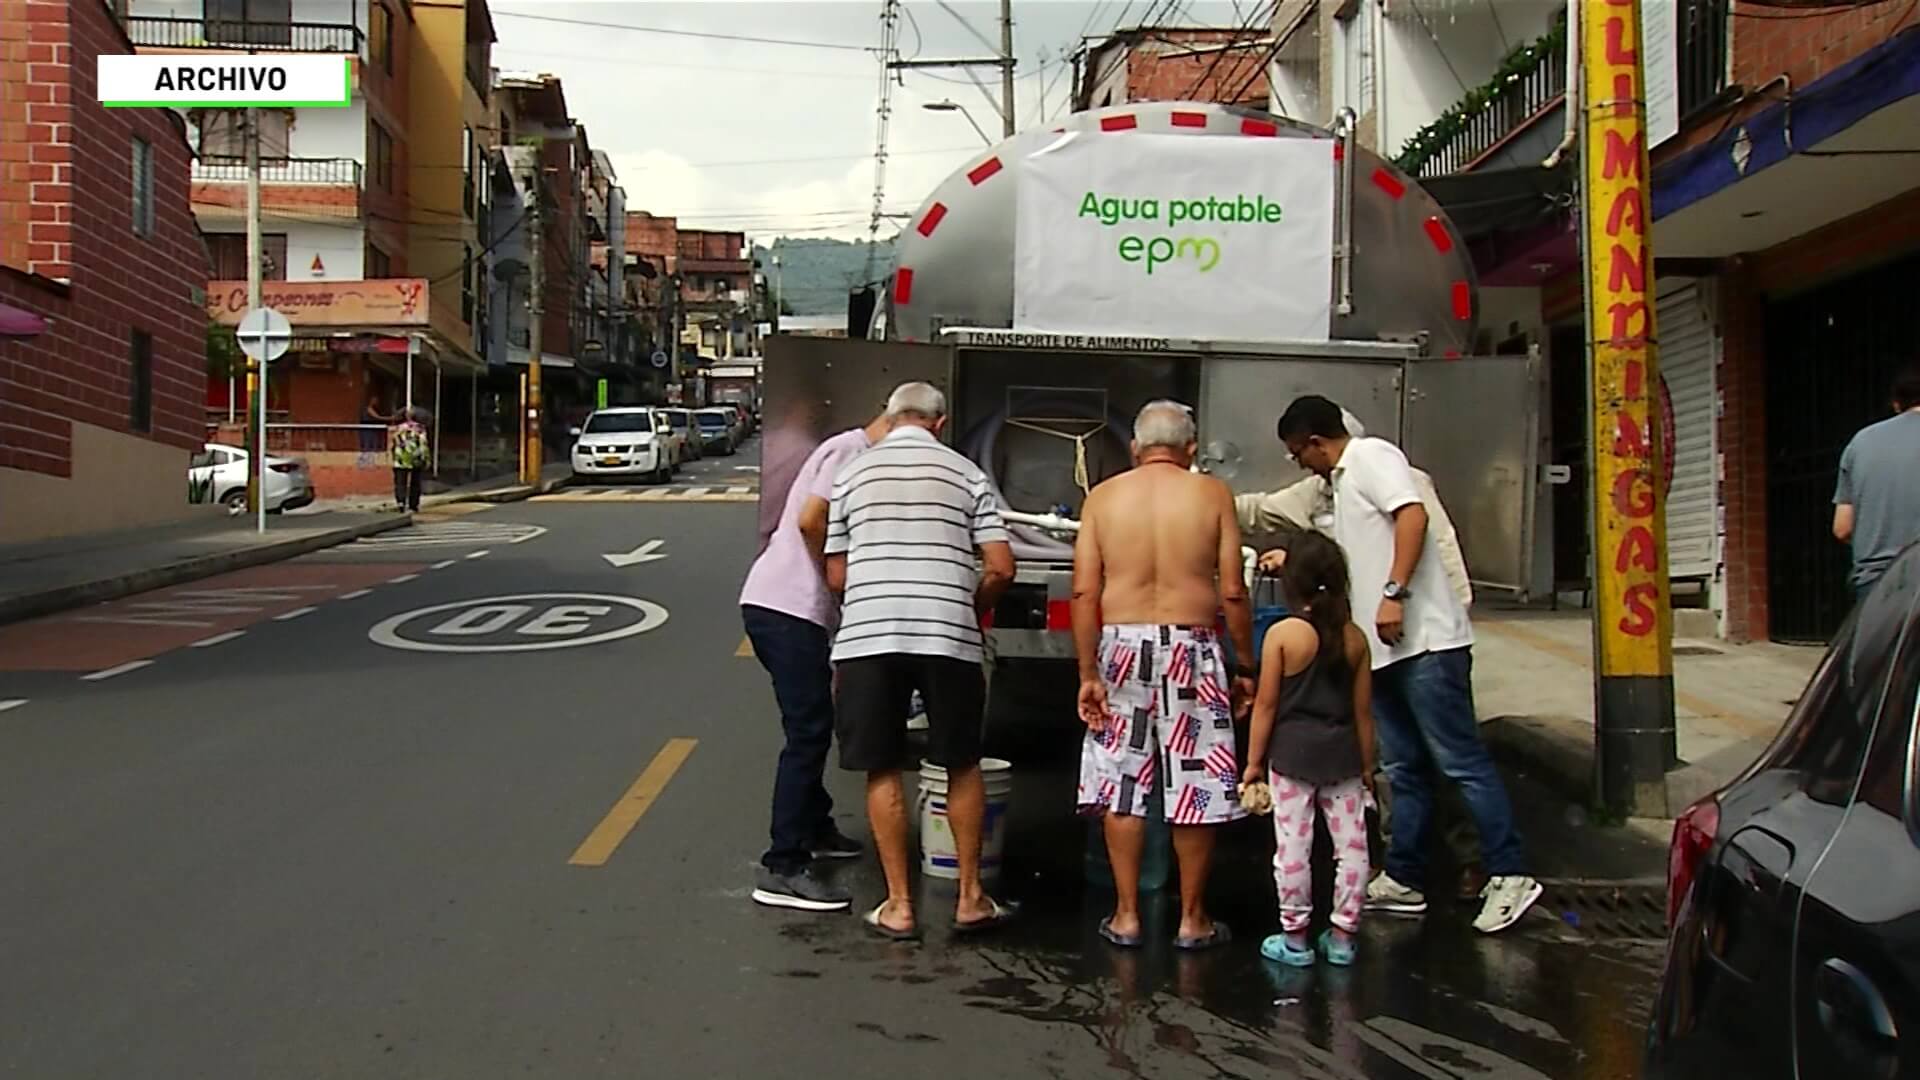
[(1313, 734)]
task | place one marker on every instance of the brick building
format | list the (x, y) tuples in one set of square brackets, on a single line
[(1174, 63), (104, 271)]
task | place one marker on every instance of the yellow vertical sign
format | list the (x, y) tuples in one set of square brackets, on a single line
[(1633, 610)]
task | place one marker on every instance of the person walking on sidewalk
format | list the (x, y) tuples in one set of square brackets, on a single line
[(1876, 503), (1157, 559), (909, 528), (789, 617), (1312, 740), (1421, 644), (1307, 506), (411, 454)]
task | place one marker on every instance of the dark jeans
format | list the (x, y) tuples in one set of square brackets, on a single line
[(795, 653), (1423, 710), (406, 488)]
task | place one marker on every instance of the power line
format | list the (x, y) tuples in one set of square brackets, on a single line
[(708, 35)]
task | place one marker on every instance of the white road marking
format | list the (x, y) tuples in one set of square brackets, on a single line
[(219, 639), (12, 704), (477, 554), (647, 552), (289, 616), (131, 665), (559, 625), (738, 489), (695, 491), (356, 594), (449, 534), (746, 468), (403, 579), (443, 564), (181, 607), (528, 536)]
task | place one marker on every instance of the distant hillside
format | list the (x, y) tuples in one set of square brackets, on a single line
[(816, 274)]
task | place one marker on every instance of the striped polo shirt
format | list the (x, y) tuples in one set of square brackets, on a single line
[(909, 515)]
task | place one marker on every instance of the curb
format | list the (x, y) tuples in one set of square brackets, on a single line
[(30, 605), (1526, 743), (517, 493)]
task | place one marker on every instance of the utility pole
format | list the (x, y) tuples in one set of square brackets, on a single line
[(256, 368), (1634, 741), (530, 463), (1007, 113)]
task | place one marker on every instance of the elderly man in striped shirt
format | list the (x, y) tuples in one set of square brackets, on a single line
[(916, 547)]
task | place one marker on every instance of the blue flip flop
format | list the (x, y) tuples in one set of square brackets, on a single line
[(1124, 941), (1213, 939)]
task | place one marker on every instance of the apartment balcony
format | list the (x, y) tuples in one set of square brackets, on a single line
[(1702, 36), (289, 187), (168, 33), (1530, 83)]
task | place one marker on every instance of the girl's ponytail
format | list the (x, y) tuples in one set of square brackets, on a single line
[(1314, 578)]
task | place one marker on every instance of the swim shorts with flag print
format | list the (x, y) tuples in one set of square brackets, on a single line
[(1169, 722)]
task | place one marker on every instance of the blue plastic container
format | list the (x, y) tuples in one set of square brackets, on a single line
[(1156, 862)]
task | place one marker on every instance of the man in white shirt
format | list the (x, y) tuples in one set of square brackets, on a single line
[(1422, 648)]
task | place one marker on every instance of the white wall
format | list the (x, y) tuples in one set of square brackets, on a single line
[(1430, 49), (330, 133), (341, 247)]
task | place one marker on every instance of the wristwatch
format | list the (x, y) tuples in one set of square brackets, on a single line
[(1394, 591)]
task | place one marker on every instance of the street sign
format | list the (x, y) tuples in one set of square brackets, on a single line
[(264, 334), (660, 359), (600, 395), (529, 622)]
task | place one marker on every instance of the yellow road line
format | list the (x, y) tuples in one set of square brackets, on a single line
[(745, 649), (607, 836)]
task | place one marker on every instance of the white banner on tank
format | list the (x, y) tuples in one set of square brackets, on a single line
[(1216, 238)]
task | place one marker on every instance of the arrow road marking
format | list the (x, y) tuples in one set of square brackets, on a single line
[(646, 552)]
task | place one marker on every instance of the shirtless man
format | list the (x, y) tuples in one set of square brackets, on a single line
[(1157, 558)]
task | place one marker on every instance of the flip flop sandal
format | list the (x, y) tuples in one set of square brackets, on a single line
[(872, 919), (1215, 938), (1124, 941), (1002, 915)]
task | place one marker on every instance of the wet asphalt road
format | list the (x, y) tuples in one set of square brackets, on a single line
[(300, 852)]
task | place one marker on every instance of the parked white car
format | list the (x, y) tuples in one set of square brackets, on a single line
[(621, 442), (223, 471)]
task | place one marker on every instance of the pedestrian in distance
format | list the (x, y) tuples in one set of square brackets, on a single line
[(790, 616), (408, 446), (1156, 561), (1312, 741), (1876, 501), (918, 551), (1420, 644)]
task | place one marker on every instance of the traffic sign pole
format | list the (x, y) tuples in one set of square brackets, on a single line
[(257, 458), (264, 335)]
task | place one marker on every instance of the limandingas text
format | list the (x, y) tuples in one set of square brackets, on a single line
[(1204, 251)]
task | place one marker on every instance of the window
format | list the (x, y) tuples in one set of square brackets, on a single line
[(249, 22), (201, 459), (380, 36), (140, 382), (466, 285), (467, 170), (228, 254), (380, 156), (223, 133), (142, 187), (378, 264)]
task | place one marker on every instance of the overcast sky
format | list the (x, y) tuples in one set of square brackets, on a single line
[(778, 139)]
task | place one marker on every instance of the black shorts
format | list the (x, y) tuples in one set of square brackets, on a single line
[(870, 710)]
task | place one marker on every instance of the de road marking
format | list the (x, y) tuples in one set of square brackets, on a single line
[(606, 837), (527, 622)]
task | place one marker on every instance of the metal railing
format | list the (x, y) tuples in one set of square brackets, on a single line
[(1702, 49), (166, 32), (1521, 97), (222, 169)]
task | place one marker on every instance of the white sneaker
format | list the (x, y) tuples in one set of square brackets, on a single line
[(1386, 894), (1507, 898)]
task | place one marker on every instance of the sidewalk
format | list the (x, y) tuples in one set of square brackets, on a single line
[(498, 489), (47, 576), (1533, 685)]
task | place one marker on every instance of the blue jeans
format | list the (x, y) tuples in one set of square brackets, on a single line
[(1423, 713), (795, 653)]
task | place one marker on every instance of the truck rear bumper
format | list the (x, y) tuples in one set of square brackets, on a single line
[(1034, 620)]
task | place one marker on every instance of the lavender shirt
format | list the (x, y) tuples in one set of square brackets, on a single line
[(784, 578)]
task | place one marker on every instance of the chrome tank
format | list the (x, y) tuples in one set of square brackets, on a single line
[(1411, 277)]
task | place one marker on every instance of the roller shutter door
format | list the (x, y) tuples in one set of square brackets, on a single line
[(1689, 348)]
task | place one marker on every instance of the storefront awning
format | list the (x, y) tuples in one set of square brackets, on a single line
[(19, 323), (1840, 145), (1503, 200), (518, 356)]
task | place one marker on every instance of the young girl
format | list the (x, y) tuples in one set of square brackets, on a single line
[(1313, 730)]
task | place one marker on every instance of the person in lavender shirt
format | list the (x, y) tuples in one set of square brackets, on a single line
[(790, 617)]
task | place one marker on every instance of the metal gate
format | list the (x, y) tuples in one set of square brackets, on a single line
[(1831, 356), (1688, 348)]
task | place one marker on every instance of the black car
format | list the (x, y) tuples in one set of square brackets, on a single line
[(1794, 893)]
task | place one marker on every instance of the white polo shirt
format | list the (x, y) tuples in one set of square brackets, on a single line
[(1372, 481)]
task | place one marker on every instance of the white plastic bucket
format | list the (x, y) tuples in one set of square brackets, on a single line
[(937, 858)]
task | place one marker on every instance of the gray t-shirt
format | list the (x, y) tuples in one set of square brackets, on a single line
[(1878, 479)]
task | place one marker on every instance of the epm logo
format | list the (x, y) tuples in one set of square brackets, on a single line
[(1202, 251)]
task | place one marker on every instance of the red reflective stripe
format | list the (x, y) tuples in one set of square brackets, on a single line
[(903, 286), (1262, 128), (1123, 122), (1453, 354), (984, 170), (1059, 614), (1189, 119), (1339, 150), (1388, 183), (935, 214), (1462, 300), (1437, 232)]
